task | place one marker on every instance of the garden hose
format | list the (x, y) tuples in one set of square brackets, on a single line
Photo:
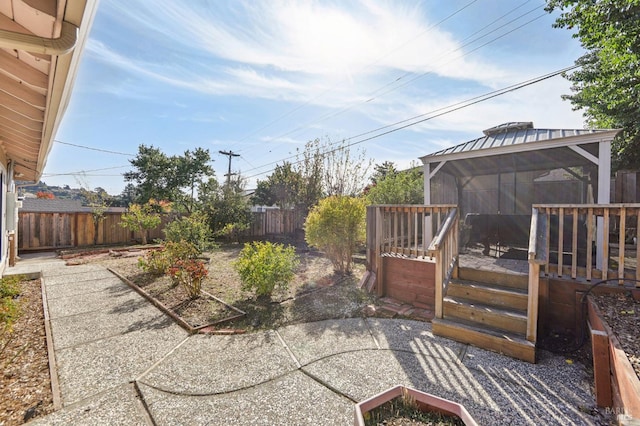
[(582, 338)]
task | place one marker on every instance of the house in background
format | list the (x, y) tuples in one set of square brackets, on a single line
[(41, 43)]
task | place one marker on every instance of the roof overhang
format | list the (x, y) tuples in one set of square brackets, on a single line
[(40, 47)]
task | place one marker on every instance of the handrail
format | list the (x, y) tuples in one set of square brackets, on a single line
[(444, 249), (444, 230), (533, 234)]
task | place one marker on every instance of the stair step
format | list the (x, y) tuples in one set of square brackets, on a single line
[(510, 298), (508, 344), (484, 315), (502, 279)]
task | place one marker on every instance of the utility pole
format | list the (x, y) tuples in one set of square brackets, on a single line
[(231, 154)]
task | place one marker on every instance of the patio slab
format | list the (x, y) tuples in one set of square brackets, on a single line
[(120, 406), (116, 302), (293, 399), (82, 328), (312, 341), (207, 364), (60, 273), (94, 367)]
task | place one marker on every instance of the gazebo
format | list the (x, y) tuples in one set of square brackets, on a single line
[(514, 166)]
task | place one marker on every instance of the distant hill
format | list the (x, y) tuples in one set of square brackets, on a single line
[(67, 193), (60, 192)]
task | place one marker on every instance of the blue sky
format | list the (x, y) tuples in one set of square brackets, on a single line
[(261, 78)]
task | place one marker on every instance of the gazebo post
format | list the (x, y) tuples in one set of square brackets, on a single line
[(604, 195)]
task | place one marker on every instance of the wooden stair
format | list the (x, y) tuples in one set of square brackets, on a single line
[(488, 310)]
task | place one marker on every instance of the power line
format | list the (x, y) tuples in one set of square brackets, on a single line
[(375, 94), (94, 149), (432, 114), (395, 49), (84, 171)]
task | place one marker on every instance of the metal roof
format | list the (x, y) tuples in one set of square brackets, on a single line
[(509, 135)]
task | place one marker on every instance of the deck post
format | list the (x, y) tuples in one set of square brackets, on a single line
[(532, 304), (378, 255)]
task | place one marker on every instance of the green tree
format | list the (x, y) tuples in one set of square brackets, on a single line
[(191, 169), (193, 229), (381, 171), (607, 84), (173, 178), (310, 166), (226, 206), (336, 226), (406, 187), (282, 188), (153, 177), (143, 217)]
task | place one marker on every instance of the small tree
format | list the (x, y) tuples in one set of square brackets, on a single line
[(193, 229), (336, 226), (143, 217), (263, 266), (97, 201)]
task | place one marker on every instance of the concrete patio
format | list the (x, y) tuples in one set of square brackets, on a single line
[(121, 361)]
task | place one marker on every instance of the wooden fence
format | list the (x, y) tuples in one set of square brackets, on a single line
[(276, 222), (50, 231), (45, 231)]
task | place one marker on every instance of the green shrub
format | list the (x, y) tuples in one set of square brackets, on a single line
[(182, 250), (158, 262), (193, 229), (336, 226), (9, 310), (155, 262), (263, 266), (189, 273), (231, 231)]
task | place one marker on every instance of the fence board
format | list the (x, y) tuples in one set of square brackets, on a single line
[(45, 231)]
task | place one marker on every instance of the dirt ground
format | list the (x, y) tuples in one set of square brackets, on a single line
[(25, 385), (622, 313), (316, 293)]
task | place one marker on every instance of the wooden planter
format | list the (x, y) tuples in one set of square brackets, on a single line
[(616, 382), (425, 402)]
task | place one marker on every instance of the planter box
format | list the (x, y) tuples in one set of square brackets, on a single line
[(616, 382), (424, 401)]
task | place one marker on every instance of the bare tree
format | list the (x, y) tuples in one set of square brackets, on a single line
[(329, 168)]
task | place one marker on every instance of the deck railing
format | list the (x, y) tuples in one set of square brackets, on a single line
[(402, 230), (582, 242), (589, 241)]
